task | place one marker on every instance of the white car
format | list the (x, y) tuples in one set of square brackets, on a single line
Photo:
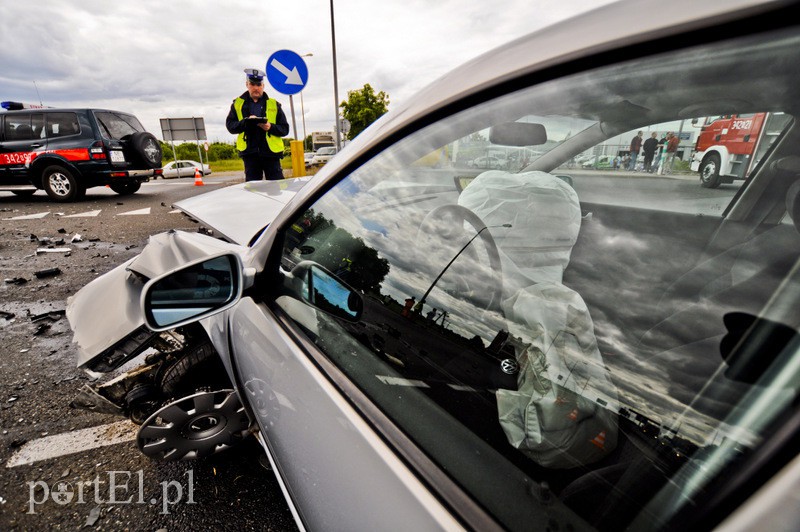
[(323, 155), (308, 157), (423, 348), (184, 168)]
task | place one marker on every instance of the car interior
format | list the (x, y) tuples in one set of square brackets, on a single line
[(669, 319)]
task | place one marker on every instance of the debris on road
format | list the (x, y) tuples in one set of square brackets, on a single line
[(16, 280), (94, 515), (53, 250), (41, 329), (6, 315), (53, 315), (49, 272)]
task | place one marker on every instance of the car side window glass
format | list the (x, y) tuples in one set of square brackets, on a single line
[(118, 126), (19, 126), (548, 330), (62, 124)]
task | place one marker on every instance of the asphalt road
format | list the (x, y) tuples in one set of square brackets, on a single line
[(52, 475)]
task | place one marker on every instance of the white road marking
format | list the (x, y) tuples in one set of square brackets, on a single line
[(397, 381), (73, 442), (29, 216), (462, 388), (136, 212), (87, 214)]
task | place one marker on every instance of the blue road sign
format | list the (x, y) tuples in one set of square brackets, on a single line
[(287, 72)]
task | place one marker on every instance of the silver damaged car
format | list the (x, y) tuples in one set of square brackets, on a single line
[(420, 344)]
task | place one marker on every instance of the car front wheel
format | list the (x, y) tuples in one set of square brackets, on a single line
[(709, 171), (61, 185)]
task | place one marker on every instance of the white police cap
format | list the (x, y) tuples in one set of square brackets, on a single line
[(254, 74)]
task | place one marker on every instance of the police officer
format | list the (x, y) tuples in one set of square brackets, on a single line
[(260, 123)]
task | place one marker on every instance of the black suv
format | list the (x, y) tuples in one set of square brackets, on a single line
[(66, 151)]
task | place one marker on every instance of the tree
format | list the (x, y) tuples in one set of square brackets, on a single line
[(363, 107)]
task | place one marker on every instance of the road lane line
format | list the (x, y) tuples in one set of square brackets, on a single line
[(146, 210), (73, 442), (29, 216), (397, 381), (87, 214)]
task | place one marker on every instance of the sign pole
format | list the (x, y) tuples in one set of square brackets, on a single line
[(287, 73), (294, 124)]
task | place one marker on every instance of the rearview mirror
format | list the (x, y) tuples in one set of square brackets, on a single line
[(518, 134), (193, 292)]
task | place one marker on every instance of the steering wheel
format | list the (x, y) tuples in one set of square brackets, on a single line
[(446, 223)]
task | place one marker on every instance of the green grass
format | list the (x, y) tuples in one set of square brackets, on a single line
[(237, 165), (227, 165)]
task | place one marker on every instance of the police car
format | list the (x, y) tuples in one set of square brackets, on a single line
[(66, 151)]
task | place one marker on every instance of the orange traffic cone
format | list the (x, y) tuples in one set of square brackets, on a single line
[(198, 178), (600, 440)]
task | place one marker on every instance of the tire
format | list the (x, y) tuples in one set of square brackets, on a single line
[(146, 149), (199, 367), (125, 189), (709, 171), (61, 185)]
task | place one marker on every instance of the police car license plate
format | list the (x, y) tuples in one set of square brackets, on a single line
[(116, 156)]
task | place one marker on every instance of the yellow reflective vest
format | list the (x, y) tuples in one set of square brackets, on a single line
[(275, 143)]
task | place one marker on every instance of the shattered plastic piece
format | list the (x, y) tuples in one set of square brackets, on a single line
[(16, 280), (77, 238), (94, 515), (62, 230), (53, 315), (6, 315), (49, 272), (53, 250), (41, 329)]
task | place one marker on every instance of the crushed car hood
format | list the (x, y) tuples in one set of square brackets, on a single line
[(106, 314), (240, 213)]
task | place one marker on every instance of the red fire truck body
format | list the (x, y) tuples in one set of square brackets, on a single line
[(729, 147)]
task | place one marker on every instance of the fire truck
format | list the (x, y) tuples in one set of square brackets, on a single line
[(729, 147)]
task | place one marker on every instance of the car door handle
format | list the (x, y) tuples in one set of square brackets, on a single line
[(36, 145)]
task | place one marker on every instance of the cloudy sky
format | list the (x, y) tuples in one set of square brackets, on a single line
[(185, 58)]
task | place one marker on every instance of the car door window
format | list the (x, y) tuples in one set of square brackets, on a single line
[(19, 126), (562, 337), (62, 124)]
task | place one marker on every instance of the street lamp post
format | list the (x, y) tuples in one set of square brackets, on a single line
[(335, 82), (303, 109), (428, 291)]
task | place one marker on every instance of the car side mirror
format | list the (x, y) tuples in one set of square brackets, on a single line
[(195, 291), (327, 292)]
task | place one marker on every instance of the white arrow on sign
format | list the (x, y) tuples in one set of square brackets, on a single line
[(292, 76)]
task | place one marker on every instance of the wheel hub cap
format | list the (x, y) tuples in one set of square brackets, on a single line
[(195, 426), (59, 184)]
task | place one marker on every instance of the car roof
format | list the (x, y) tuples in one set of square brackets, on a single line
[(65, 109)]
